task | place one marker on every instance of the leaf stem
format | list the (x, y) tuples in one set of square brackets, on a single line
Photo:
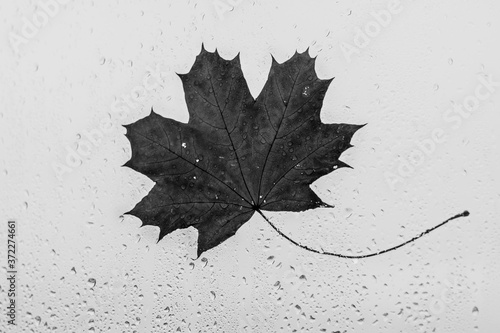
[(465, 213)]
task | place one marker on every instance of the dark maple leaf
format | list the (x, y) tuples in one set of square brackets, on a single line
[(236, 155)]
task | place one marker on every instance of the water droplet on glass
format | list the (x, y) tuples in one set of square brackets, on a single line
[(306, 91), (91, 282), (475, 311)]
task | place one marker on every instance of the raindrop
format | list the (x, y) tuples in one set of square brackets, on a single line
[(91, 282), (306, 91), (205, 261)]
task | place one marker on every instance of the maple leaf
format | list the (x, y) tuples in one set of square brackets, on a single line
[(236, 155)]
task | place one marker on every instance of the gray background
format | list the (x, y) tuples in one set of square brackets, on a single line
[(85, 268)]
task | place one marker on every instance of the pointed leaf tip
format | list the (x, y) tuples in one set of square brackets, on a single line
[(199, 252), (181, 76), (326, 205), (129, 213), (327, 81), (342, 164), (356, 128), (236, 58)]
